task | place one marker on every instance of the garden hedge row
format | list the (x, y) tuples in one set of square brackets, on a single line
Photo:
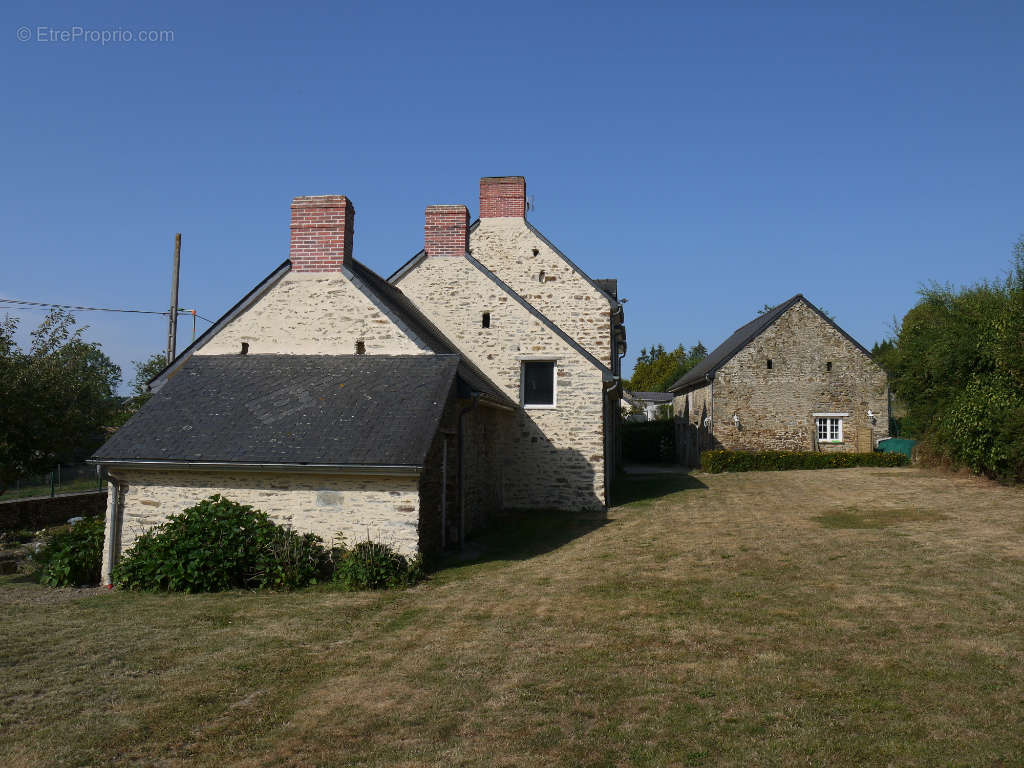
[(752, 461)]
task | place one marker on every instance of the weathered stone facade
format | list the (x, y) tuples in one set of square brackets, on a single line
[(815, 369), (314, 313), (384, 508), (556, 454), (532, 268)]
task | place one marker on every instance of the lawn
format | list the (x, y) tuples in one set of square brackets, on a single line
[(838, 617)]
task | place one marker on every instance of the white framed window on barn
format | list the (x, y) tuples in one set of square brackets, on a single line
[(830, 427), (537, 385)]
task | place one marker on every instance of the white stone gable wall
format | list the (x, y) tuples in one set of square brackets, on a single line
[(313, 313), (506, 247), (556, 455)]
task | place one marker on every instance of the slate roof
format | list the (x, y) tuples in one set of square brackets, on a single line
[(743, 336), (651, 397), (337, 410)]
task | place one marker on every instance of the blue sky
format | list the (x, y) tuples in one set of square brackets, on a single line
[(713, 157)]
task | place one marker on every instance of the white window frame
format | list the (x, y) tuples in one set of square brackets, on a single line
[(554, 383), (837, 417)]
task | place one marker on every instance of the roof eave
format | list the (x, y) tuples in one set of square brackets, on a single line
[(393, 470)]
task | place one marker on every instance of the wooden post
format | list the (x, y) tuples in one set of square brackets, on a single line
[(172, 329)]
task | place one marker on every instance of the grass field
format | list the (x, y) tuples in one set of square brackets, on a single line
[(840, 617)]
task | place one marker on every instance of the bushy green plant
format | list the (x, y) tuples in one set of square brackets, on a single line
[(72, 557), (957, 363), (751, 461), (374, 565), (219, 544)]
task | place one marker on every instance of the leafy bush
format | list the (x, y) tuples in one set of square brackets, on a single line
[(374, 565), (957, 363), (649, 440), (72, 557), (748, 461), (219, 544)]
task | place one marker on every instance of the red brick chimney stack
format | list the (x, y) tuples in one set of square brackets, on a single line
[(322, 228), (502, 196), (446, 230)]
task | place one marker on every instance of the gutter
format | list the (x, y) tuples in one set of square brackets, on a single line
[(395, 470), (462, 468)]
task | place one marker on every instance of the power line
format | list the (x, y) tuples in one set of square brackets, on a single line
[(75, 308)]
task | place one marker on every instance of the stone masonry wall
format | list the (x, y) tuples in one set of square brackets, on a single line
[(776, 406), (384, 508), (313, 313), (506, 247), (555, 456), (693, 434)]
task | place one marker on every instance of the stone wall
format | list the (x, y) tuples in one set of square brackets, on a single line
[(530, 267), (555, 456), (384, 508), (692, 415), (38, 513), (776, 406), (314, 313)]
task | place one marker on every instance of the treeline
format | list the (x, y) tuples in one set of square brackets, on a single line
[(957, 365), (59, 396), (657, 369)]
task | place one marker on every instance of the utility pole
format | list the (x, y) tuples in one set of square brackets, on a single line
[(172, 330)]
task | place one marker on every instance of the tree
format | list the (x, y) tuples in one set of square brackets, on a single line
[(656, 370), (57, 395), (957, 362), (145, 371)]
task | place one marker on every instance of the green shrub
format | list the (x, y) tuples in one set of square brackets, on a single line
[(72, 557), (649, 440), (748, 461), (374, 565), (217, 545)]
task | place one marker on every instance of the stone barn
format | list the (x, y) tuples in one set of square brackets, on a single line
[(791, 379)]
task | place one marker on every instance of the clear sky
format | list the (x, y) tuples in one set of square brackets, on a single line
[(713, 157)]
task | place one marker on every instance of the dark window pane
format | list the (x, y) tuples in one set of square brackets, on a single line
[(539, 383)]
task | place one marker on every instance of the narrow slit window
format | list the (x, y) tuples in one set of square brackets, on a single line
[(485, 321), (541, 276), (360, 347), (769, 361), (828, 366)]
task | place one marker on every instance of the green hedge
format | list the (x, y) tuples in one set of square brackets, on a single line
[(648, 440), (752, 461)]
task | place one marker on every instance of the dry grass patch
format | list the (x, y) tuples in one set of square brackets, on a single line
[(712, 620)]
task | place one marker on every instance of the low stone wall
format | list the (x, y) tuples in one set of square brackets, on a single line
[(40, 512)]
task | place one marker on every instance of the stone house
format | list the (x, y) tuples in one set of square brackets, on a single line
[(790, 379), (482, 376)]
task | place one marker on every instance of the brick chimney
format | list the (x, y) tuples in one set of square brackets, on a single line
[(446, 230), (322, 228), (502, 196)]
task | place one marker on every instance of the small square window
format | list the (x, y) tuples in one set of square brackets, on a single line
[(769, 363), (830, 430), (538, 387), (360, 347), (485, 321)]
